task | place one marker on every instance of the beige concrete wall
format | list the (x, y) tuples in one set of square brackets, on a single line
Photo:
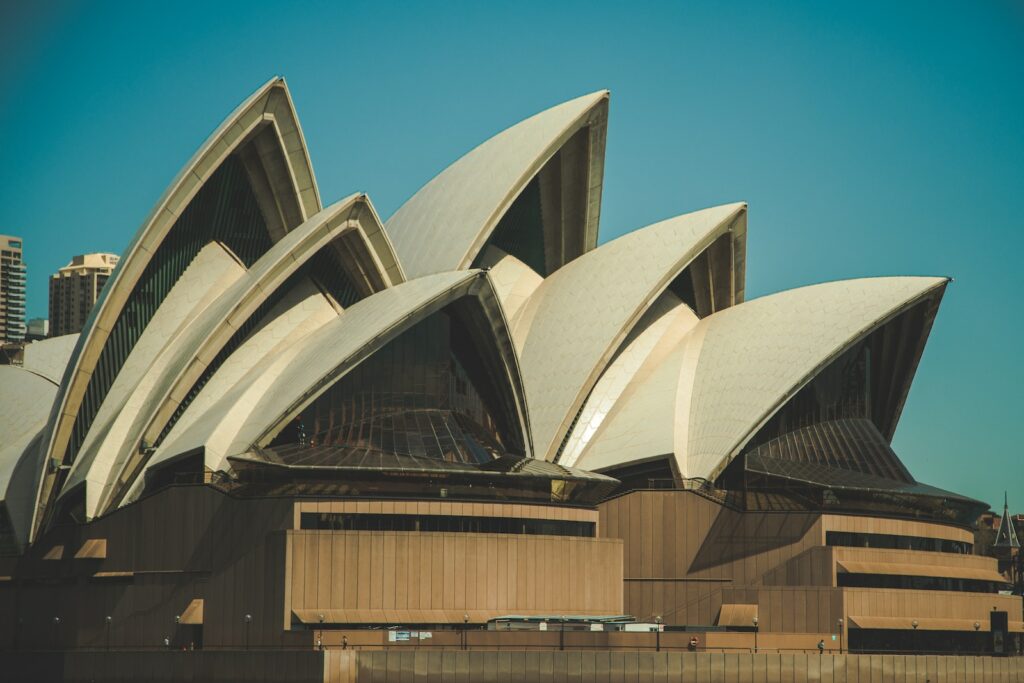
[(422, 577), (421, 666)]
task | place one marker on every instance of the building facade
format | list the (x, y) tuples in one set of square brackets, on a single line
[(37, 329), (74, 290), (290, 427), (12, 289)]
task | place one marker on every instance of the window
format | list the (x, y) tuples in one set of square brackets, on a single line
[(445, 523), (918, 583), (850, 539)]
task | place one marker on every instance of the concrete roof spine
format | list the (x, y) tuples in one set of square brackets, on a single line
[(572, 325), (745, 362), (445, 224)]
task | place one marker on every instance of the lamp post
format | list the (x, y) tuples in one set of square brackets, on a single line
[(107, 619), (914, 625), (56, 631), (756, 629), (465, 636), (561, 634), (320, 638), (248, 623), (657, 633), (839, 625)]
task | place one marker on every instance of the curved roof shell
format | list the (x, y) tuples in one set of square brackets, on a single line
[(25, 399), (253, 411), (514, 281), (633, 395), (169, 379), (446, 224), (737, 368), (573, 324), (265, 135), (49, 357)]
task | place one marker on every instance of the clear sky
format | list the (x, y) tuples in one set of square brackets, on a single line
[(869, 138)]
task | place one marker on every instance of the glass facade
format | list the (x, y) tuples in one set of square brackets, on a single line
[(919, 583), (828, 448), (445, 523), (852, 539), (425, 394), (920, 642), (224, 209), (520, 232)]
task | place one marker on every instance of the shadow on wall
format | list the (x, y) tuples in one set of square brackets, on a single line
[(734, 536)]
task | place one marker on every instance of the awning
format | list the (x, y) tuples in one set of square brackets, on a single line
[(193, 614), (93, 549), (737, 615), (54, 553), (894, 569)]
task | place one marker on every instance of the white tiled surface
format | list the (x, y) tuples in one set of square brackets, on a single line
[(49, 357), (435, 229), (25, 400), (755, 355), (616, 392), (263, 399), (575, 320), (513, 280), (154, 229), (301, 312), (210, 274)]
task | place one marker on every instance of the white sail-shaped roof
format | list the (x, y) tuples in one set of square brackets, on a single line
[(264, 130), (633, 396), (445, 225), (572, 325), (49, 357), (738, 367), (25, 399), (252, 412)]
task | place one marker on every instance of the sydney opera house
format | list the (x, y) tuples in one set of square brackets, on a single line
[(294, 427)]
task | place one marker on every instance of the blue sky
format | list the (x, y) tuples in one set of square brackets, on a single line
[(868, 138)]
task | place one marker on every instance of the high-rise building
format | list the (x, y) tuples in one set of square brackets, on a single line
[(75, 288), (12, 289)]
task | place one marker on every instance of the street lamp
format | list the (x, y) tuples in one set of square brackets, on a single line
[(107, 619), (914, 625), (56, 630), (465, 636), (248, 623), (839, 624), (320, 638), (657, 633), (756, 629)]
